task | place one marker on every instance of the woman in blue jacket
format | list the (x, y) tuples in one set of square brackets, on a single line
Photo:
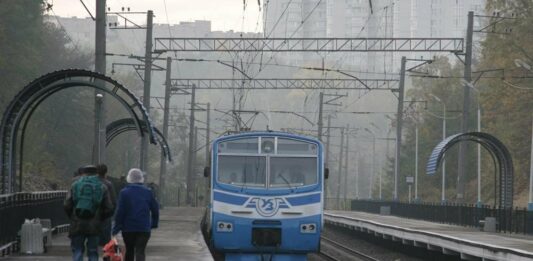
[(137, 213)]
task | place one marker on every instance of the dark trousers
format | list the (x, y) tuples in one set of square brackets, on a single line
[(105, 234), (135, 245)]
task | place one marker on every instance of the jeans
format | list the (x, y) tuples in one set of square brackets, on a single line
[(77, 244), (135, 245)]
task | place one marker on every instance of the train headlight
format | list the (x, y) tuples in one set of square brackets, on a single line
[(224, 226), (308, 228)]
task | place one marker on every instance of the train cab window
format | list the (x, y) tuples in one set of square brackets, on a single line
[(245, 171), (248, 146), (290, 172), (294, 147)]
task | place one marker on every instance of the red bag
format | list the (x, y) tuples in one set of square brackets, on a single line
[(113, 252)]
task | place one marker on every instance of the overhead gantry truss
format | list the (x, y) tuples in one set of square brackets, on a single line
[(308, 45), (269, 84)]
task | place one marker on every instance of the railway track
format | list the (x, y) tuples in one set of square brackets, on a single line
[(347, 250)]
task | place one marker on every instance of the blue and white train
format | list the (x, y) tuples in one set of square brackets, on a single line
[(266, 196)]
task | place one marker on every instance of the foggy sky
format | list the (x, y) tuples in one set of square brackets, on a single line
[(224, 14)]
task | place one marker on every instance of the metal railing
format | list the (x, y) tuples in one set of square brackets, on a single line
[(15, 208), (517, 220)]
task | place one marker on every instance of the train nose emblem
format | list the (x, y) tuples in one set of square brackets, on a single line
[(267, 207)]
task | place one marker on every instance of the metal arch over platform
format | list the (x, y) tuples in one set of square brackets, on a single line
[(118, 127), (24, 103), (308, 45), (498, 151), (269, 84)]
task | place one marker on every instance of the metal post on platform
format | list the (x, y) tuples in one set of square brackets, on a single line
[(409, 200)]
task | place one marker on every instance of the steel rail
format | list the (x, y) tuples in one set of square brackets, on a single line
[(347, 249)]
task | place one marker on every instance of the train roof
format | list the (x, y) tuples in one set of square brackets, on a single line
[(230, 135)]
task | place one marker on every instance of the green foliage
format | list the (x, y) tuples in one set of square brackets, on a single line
[(57, 138), (506, 104)]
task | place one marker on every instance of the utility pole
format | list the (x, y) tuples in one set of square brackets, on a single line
[(163, 165), (190, 188), (320, 107), (346, 165), (100, 67), (147, 83), (466, 107), (339, 172), (399, 122), (207, 136)]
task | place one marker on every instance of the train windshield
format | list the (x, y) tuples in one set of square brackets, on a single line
[(292, 172), (242, 170), (267, 162)]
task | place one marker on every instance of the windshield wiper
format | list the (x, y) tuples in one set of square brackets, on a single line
[(286, 181)]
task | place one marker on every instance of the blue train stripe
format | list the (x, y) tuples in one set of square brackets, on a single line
[(304, 200), (227, 198)]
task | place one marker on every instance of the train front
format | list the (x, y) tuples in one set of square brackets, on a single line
[(267, 196)]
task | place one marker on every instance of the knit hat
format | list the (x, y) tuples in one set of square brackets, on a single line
[(135, 176)]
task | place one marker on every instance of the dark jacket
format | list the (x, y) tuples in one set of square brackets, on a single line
[(92, 226), (137, 210), (112, 194)]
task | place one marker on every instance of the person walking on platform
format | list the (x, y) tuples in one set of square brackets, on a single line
[(137, 213), (87, 204), (105, 236)]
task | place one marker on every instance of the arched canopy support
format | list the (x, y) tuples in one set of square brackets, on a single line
[(31, 96), (497, 150), (118, 127)]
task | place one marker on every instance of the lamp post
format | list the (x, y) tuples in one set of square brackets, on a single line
[(373, 161), (470, 85), (443, 193)]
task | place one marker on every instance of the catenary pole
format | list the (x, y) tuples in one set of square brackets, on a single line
[(339, 172), (399, 121), (190, 188), (346, 166), (100, 67), (147, 83), (466, 107), (326, 163), (320, 107), (163, 165)]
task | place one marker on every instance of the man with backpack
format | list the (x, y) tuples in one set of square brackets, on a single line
[(87, 205)]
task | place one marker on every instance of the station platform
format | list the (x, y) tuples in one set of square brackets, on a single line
[(469, 243), (177, 238)]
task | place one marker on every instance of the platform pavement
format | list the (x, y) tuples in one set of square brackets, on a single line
[(451, 239), (177, 238)]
